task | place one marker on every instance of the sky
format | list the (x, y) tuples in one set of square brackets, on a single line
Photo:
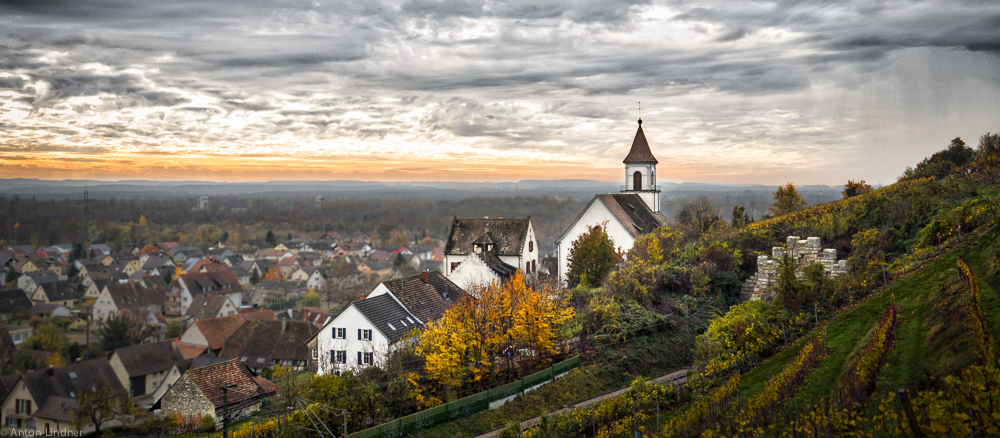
[(768, 92)]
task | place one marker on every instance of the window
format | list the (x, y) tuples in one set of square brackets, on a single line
[(365, 358), (315, 353), (340, 333), (531, 245), (340, 357), (13, 422), (637, 180), (364, 335), (454, 265), (22, 406)]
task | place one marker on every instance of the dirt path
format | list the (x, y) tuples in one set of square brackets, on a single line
[(676, 377)]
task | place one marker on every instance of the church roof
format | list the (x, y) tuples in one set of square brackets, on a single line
[(640, 149), (632, 213)]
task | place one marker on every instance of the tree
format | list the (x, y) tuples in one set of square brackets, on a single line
[(11, 275), (115, 332), (591, 257), (399, 260), (270, 238), (254, 276), (310, 299), (98, 406), (77, 253), (510, 324), (148, 249), (786, 200), (986, 166), (942, 163), (47, 336), (174, 329), (699, 215), (740, 217), (853, 188)]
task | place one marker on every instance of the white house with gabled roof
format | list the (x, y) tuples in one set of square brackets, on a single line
[(362, 335)]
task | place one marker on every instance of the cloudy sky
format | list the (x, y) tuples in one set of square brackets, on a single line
[(453, 90)]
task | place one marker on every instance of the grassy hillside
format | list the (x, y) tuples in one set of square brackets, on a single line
[(772, 370)]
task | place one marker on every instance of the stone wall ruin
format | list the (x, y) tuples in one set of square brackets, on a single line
[(760, 286)]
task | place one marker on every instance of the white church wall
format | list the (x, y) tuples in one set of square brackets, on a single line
[(595, 214)]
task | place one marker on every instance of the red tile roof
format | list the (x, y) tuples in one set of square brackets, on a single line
[(211, 378)]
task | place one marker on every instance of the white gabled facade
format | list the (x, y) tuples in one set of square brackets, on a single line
[(526, 260), (473, 273), (352, 342), (595, 213)]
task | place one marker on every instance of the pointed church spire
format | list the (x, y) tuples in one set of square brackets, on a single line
[(640, 149)]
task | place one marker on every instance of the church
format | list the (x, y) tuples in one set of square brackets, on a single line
[(631, 214)]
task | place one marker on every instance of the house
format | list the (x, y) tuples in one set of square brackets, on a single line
[(198, 393), (117, 297), (212, 333), (316, 316), (362, 335), (631, 214), (331, 236), (211, 306), (44, 310), (92, 290), (301, 274), (482, 251), (156, 264), (426, 296), (186, 287), (29, 282), (142, 368), (337, 277), (43, 401), (14, 303), (18, 333), (57, 292), (285, 344)]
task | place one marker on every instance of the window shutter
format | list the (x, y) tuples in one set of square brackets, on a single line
[(359, 358), (333, 356), (359, 334)]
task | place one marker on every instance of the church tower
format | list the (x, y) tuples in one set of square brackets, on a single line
[(640, 172)]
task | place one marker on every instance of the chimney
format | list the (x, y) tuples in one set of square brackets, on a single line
[(423, 276), (486, 217)]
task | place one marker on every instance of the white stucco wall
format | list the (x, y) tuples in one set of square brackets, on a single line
[(193, 336), (594, 214), (104, 306), (350, 319), (473, 273)]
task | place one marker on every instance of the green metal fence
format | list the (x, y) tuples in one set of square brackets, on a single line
[(464, 407)]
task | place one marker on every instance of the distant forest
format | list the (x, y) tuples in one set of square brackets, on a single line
[(124, 222), (246, 219)]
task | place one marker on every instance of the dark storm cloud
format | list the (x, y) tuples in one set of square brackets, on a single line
[(147, 73)]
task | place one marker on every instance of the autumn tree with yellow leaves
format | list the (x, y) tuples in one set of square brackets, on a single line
[(509, 327)]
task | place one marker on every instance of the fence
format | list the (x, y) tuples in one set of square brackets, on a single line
[(465, 406)]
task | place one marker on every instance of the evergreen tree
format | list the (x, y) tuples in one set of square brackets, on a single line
[(270, 238), (254, 276)]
